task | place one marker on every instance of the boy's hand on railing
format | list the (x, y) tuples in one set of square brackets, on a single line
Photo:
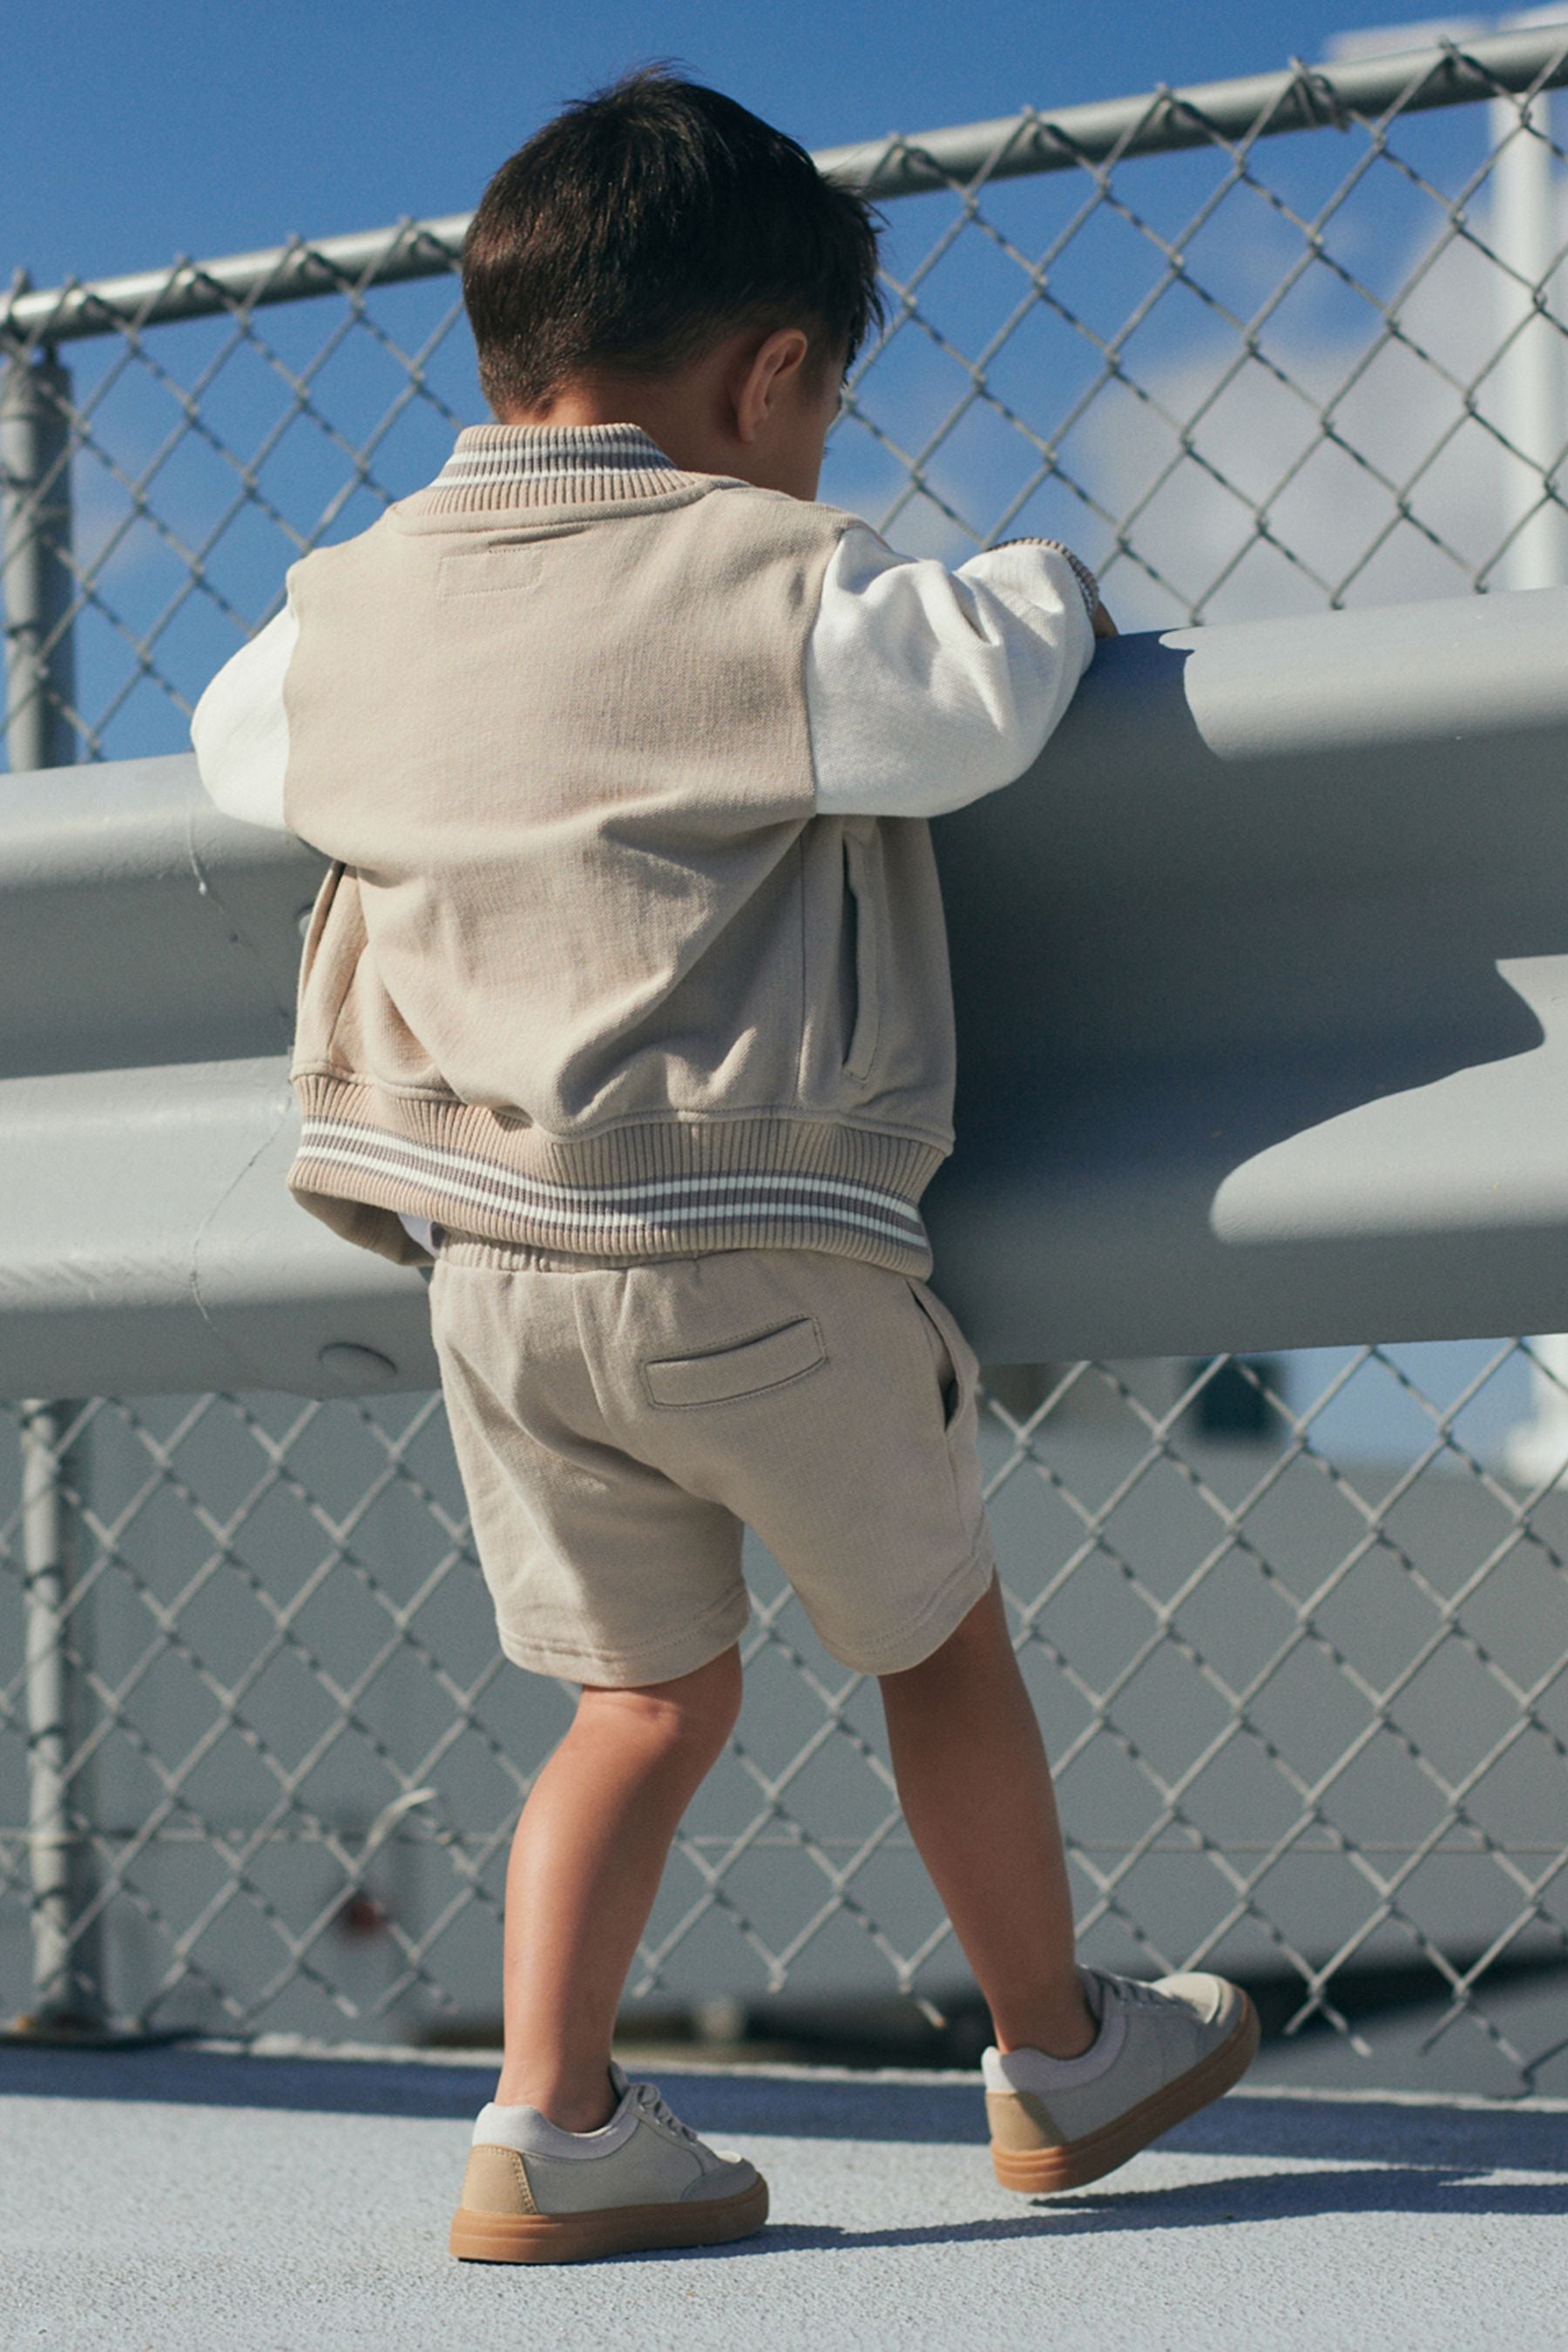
[(1101, 623)]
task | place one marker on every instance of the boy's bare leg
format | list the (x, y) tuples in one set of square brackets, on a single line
[(976, 1793), (585, 1864)]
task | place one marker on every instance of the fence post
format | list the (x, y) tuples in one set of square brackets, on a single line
[(40, 732), (35, 498), (64, 1993)]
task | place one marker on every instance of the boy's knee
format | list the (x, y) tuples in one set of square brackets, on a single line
[(977, 1637), (692, 1716), (710, 1704)]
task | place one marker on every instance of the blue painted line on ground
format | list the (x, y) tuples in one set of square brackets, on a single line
[(1326, 2130)]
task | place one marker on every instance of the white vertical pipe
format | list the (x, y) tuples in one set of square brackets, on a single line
[(1526, 399), (1528, 407)]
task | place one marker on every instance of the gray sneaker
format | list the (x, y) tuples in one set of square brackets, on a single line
[(533, 2193), (1163, 2049)]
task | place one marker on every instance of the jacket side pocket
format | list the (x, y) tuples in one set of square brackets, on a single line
[(862, 1048), (327, 966)]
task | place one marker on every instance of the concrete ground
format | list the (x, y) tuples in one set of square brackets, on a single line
[(184, 2201)]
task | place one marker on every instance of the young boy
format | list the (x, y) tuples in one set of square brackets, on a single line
[(626, 1002)]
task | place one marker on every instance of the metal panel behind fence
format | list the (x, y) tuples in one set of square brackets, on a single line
[(1306, 1690)]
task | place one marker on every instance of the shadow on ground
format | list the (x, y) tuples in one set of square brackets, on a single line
[(1449, 2191)]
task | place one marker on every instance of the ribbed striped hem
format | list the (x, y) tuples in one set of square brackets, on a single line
[(660, 1189), (551, 466)]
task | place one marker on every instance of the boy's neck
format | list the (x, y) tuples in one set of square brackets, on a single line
[(720, 414), (660, 419)]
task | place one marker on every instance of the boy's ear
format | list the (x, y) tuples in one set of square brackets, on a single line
[(763, 372)]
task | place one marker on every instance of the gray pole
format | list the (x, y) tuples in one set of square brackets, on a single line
[(40, 732), (35, 498), (50, 1842)]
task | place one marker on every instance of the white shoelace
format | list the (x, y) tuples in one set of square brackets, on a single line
[(653, 2105), (1131, 1990)]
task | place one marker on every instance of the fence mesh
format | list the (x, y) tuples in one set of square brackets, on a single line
[(1298, 1631)]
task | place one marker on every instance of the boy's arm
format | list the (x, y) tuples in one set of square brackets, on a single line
[(927, 688), (240, 730)]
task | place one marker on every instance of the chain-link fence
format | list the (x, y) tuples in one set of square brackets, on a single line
[(1298, 1631)]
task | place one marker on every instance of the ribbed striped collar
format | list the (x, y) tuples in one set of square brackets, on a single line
[(552, 466)]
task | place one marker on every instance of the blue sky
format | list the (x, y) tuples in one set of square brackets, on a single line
[(135, 132)]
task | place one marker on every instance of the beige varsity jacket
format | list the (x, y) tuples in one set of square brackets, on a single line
[(600, 961)]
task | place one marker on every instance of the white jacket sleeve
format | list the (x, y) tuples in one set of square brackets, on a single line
[(927, 688), (239, 729)]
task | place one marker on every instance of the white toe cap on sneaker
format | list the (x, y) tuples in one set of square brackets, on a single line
[(729, 2177), (1214, 2001)]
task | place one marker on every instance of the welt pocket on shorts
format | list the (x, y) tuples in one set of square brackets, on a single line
[(740, 1370)]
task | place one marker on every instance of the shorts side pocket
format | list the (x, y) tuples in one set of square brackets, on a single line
[(947, 1364), (744, 1369), (957, 1374)]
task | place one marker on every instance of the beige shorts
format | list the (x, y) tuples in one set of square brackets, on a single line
[(617, 1427)]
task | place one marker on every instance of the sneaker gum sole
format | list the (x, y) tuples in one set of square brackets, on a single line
[(617, 2230), (1079, 2161)]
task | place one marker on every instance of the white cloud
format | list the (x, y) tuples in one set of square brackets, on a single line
[(1367, 459)]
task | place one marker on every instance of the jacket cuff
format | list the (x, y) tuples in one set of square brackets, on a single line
[(1089, 586)]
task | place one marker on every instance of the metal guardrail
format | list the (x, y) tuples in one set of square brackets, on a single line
[(1373, 1131), (257, 1757)]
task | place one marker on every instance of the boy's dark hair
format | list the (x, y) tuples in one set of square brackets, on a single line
[(645, 222)]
